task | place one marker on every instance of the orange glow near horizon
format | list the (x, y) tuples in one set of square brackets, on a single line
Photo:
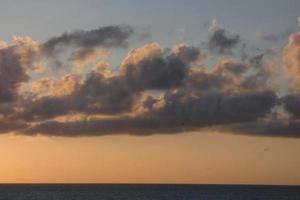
[(204, 158)]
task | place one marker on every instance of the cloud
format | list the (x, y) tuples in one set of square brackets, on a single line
[(192, 104), (52, 86), (96, 94), (273, 37), (143, 69), (290, 130), (177, 113), (151, 68), (214, 25), (109, 36), (291, 57), (292, 104), (11, 126), (154, 89), (84, 43), (222, 42), (16, 60)]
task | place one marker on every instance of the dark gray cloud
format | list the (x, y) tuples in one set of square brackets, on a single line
[(193, 98), (98, 94), (10, 126), (84, 43), (215, 108), (292, 104), (104, 95), (222, 42), (154, 90), (43, 108), (179, 113), (109, 36), (95, 95), (273, 129), (15, 60), (201, 100), (159, 70)]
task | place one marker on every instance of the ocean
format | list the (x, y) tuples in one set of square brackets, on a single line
[(146, 192)]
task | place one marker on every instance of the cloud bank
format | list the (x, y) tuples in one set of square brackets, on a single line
[(154, 90)]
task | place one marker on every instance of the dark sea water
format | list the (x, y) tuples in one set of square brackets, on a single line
[(141, 192)]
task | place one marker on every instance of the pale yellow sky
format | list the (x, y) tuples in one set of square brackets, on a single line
[(184, 158)]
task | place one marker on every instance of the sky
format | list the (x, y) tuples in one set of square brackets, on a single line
[(195, 91)]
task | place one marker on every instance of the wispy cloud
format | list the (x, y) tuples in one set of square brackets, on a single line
[(274, 37)]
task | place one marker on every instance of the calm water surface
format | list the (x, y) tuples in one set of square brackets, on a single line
[(147, 192)]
